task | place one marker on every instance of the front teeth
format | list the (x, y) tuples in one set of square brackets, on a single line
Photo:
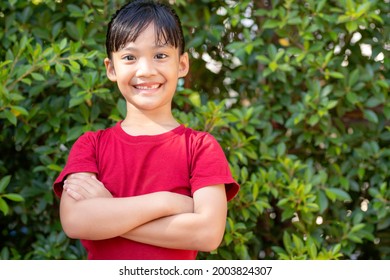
[(147, 87)]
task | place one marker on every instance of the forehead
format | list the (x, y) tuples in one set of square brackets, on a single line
[(148, 38)]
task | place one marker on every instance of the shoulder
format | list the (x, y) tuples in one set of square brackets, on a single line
[(201, 142), (93, 137), (199, 137)]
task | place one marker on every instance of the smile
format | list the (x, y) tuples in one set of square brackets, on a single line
[(147, 87)]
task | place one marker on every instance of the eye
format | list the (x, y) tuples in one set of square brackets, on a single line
[(128, 57), (161, 56)]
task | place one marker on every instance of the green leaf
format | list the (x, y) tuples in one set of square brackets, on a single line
[(244, 174), (263, 59), (354, 238), (358, 218), (73, 134), (350, 5), (196, 42), (4, 63), (228, 238), (91, 54), (19, 110), (60, 69), (353, 78), (327, 90), (4, 206), (337, 194), (281, 149), (385, 224), (298, 243), (313, 120), (287, 241), (271, 24), (273, 66), (283, 201), (195, 99), (320, 5), (352, 97), (287, 214), (13, 196), (370, 116), (322, 201), (351, 26), (121, 106), (363, 9), (38, 77), (74, 101), (71, 28), (55, 167), (336, 75), (374, 102), (312, 251), (23, 43), (331, 104), (10, 117), (63, 43), (336, 249), (357, 227), (4, 182), (75, 11), (74, 66), (27, 81)]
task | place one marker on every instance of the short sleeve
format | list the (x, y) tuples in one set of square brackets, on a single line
[(82, 158), (209, 166)]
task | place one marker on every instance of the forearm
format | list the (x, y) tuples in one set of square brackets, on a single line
[(202, 230), (102, 218), (188, 231)]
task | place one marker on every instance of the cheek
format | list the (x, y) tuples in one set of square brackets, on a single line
[(123, 73)]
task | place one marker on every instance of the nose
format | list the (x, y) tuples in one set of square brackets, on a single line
[(145, 68)]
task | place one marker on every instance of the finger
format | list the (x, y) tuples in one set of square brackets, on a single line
[(88, 187), (97, 180), (74, 195), (79, 186)]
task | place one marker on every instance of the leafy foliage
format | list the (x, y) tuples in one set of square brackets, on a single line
[(295, 91)]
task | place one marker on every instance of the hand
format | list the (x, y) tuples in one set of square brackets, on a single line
[(81, 186)]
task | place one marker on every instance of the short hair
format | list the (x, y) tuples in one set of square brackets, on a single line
[(133, 18)]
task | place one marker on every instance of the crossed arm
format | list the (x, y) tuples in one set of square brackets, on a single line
[(165, 219)]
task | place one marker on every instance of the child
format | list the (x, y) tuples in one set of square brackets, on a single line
[(148, 187)]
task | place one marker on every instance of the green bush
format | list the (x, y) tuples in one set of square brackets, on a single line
[(297, 93)]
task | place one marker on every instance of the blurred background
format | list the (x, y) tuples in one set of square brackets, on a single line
[(296, 92)]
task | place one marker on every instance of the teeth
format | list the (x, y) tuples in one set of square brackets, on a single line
[(147, 87)]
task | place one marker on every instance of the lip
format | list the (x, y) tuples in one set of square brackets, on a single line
[(147, 87)]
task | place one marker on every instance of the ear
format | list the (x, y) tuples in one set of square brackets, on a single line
[(184, 65), (110, 70)]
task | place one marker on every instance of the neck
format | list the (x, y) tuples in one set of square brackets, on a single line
[(148, 122)]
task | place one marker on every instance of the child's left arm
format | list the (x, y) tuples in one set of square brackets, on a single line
[(202, 230)]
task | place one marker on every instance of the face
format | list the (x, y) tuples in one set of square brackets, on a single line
[(147, 73)]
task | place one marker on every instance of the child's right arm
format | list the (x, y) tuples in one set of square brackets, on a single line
[(106, 217)]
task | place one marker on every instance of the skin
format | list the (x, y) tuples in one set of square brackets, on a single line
[(147, 75)]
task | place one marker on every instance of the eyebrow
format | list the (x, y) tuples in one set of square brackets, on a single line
[(154, 47)]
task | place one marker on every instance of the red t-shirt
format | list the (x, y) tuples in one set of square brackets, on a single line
[(181, 161)]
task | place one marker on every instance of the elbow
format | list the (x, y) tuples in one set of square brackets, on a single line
[(211, 240), (210, 246), (74, 225), (71, 234), (71, 229)]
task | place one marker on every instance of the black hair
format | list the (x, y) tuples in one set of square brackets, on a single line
[(133, 18)]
